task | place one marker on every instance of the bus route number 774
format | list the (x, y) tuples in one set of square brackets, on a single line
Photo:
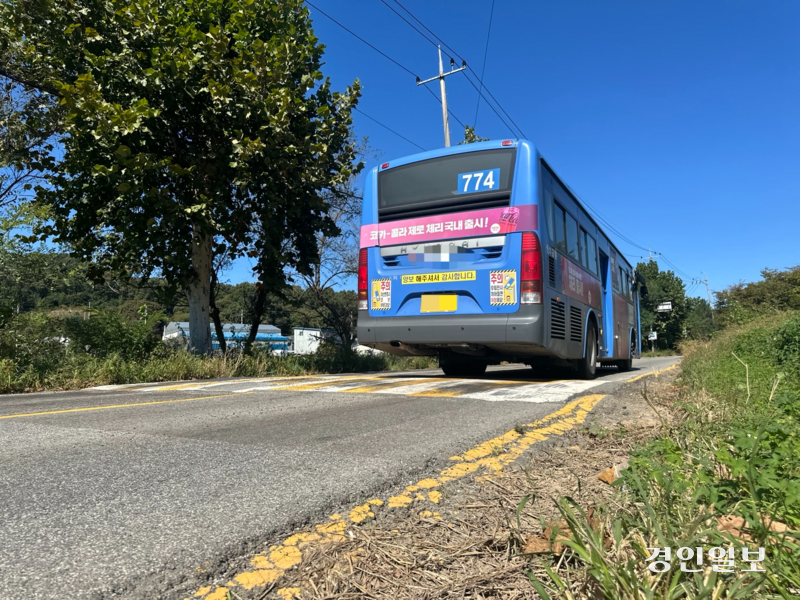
[(479, 181)]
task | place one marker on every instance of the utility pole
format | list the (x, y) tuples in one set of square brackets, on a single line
[(441, 77), (708, 291)]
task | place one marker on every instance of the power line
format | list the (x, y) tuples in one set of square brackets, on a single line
[(518, 132), (410, 24), (677, 270), (625, 238), (450, 112), (386, 56), (457, 55), (483, 67), (435, 45), (604, 221), (515, 129), (500, 106), (390, 129)]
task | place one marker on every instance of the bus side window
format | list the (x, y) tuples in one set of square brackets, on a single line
[(621, 280), (588, 252), (561, 241), (582, 246), (572, 238), (592, 258), (614, 283), (550, 208)]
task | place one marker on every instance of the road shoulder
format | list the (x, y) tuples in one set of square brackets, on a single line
[(454, 529)]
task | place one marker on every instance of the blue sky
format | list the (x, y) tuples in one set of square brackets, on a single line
[(679, 121)]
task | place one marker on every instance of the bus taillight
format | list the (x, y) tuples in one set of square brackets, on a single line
[(363, 296), (531, 270)]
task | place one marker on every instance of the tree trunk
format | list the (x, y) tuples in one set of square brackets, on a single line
[(198, 293), (258, 313), (215, 314)]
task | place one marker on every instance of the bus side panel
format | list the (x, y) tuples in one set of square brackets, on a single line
[(572, 294), (638, 326), (621, 327)]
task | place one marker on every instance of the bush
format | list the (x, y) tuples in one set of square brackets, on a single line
[(33, 343), (733, 449), (42, 352), (107, 333), (787, 346)]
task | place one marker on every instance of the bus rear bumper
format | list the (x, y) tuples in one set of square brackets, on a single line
[(520, 333)]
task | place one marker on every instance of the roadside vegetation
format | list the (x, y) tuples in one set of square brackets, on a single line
[(724, 470), (41, 352)]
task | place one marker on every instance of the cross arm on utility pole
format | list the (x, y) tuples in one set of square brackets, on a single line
[(441, 77)]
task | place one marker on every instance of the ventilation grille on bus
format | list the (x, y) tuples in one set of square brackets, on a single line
[(491, 252), (575, 324), (558, 321), (551, 268), (391, 261)]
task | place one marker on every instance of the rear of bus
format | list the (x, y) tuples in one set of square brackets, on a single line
[(450, 260)]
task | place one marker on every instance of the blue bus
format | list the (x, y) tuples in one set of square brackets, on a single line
[(479, 254)]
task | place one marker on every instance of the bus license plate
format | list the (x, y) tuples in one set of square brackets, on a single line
[(439, 303)]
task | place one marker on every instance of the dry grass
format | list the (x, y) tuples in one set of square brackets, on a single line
[(471, 545)]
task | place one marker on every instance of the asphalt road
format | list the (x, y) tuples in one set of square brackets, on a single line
[(140, 491)]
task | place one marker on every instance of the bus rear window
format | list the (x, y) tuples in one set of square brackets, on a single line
[(460, 182)]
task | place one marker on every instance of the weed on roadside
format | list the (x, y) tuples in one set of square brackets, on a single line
[(725, 472), (38, 352)]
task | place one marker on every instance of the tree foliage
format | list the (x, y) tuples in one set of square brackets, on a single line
[(663, 286), (191, 129), (470, 137), (699, 323), (776, 292), (29, 121)]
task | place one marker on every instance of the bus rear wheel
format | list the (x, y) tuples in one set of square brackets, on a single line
[(454, 367), (626, 365), (587, 366)]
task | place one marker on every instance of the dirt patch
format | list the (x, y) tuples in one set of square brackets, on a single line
[(469, 544)]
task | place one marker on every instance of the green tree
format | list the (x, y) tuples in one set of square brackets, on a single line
[(191, 130), (699, 319), (47, 280), (29, 120), (778, 290), (337, 261), (470, 137), (663, 286)]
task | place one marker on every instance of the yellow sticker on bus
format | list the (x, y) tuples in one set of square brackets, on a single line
[(439, 277)]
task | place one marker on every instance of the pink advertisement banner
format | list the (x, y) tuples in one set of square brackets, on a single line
[(473, 223)]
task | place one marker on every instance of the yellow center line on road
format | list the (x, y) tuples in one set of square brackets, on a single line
[(90, 408)]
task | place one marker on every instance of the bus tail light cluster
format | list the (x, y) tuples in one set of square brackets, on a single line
[(363, 295), (531, 270)]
